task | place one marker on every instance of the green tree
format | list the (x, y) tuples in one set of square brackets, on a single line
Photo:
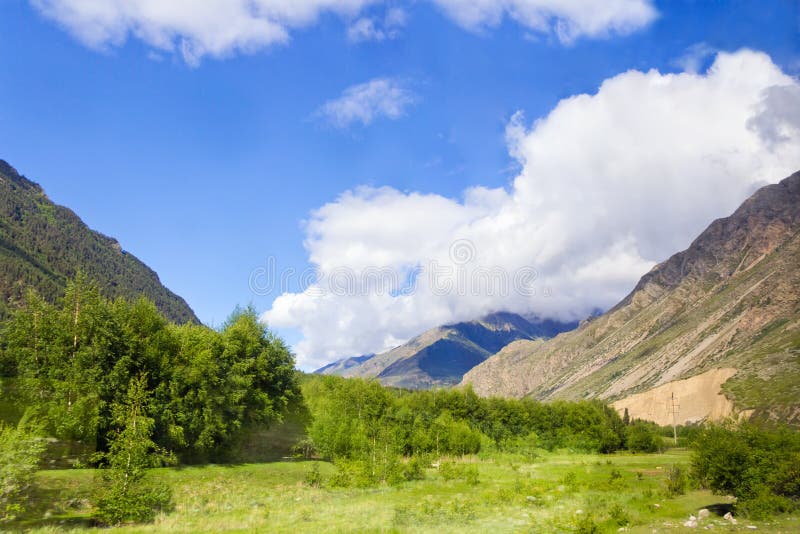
[(126, 495), (21, 449)]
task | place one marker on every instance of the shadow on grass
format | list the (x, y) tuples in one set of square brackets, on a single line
[(54, 506), (55, 521), (720, 509)]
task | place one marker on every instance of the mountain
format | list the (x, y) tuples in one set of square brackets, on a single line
[(712, 331), (441, 356), (42, 245), (339, 366)]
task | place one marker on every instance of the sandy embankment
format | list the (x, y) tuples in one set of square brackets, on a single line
[(696, 398)]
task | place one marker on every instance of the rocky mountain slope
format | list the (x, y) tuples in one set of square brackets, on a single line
[(340, 366), (441, 356), (43, 244), (730, 301)]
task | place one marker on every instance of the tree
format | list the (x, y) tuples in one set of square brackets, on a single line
[(126, 495), (20, 451)]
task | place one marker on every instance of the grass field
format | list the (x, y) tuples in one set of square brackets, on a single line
[(556, 492)]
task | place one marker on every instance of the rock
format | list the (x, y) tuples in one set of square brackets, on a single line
[(656, 505), (703, 513), (692, 523), (752, 527), (729, 518)]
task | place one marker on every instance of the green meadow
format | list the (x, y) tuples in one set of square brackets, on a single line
[(553, 492)]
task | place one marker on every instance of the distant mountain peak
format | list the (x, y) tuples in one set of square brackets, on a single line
[(440, 356)]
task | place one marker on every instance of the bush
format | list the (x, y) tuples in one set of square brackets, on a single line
[(585, 524), (758, 466), (313, 477), (138, 504), (641, 437), (20, 452), (365, 473), (414, 469), (454, 471), (765, 504), (676, 481), (618, 515)]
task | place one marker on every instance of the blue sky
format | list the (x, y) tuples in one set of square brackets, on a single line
[(205, 165)]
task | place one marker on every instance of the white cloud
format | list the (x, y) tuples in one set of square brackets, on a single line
[(693, 58), (365, 102), (610, 183), (567, 19), (193, 29), (219, 28), (375, 29)]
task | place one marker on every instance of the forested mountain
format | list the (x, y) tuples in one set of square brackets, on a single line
[(725, 313), (43, 244), (441, 356)]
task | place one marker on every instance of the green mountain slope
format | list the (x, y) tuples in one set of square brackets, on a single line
[(731, 302), (43, 244), (441, 356)]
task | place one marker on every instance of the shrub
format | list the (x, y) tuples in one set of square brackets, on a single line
[(764, 504), (20, 452), (759, 466), (676, 481), (414, 469), (640, 437), (313, 477), (453, 471), (618, 515), (585, 524)]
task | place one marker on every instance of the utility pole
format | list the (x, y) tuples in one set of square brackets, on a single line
[(674, 407)]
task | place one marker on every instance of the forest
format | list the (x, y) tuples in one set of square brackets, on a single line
[(113, 388)]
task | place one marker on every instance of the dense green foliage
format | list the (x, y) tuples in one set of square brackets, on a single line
[(759, 466), (641, 436), (73, 362), (42, 245), (366, 428), (20, 450), (126, 496)]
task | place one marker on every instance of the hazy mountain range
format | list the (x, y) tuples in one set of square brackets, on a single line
[(441, 355)]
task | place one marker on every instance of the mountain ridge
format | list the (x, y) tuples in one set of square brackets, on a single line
[(42, 244), (441, 355), (729, 300)]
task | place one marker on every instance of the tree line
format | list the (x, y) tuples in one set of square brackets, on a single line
[(71, 364), (367, 428)]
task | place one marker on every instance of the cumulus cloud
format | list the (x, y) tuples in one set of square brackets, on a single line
[(375, 29), (567, 19), (365, 102), (219, 28), (610, 183), (215, 28)]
